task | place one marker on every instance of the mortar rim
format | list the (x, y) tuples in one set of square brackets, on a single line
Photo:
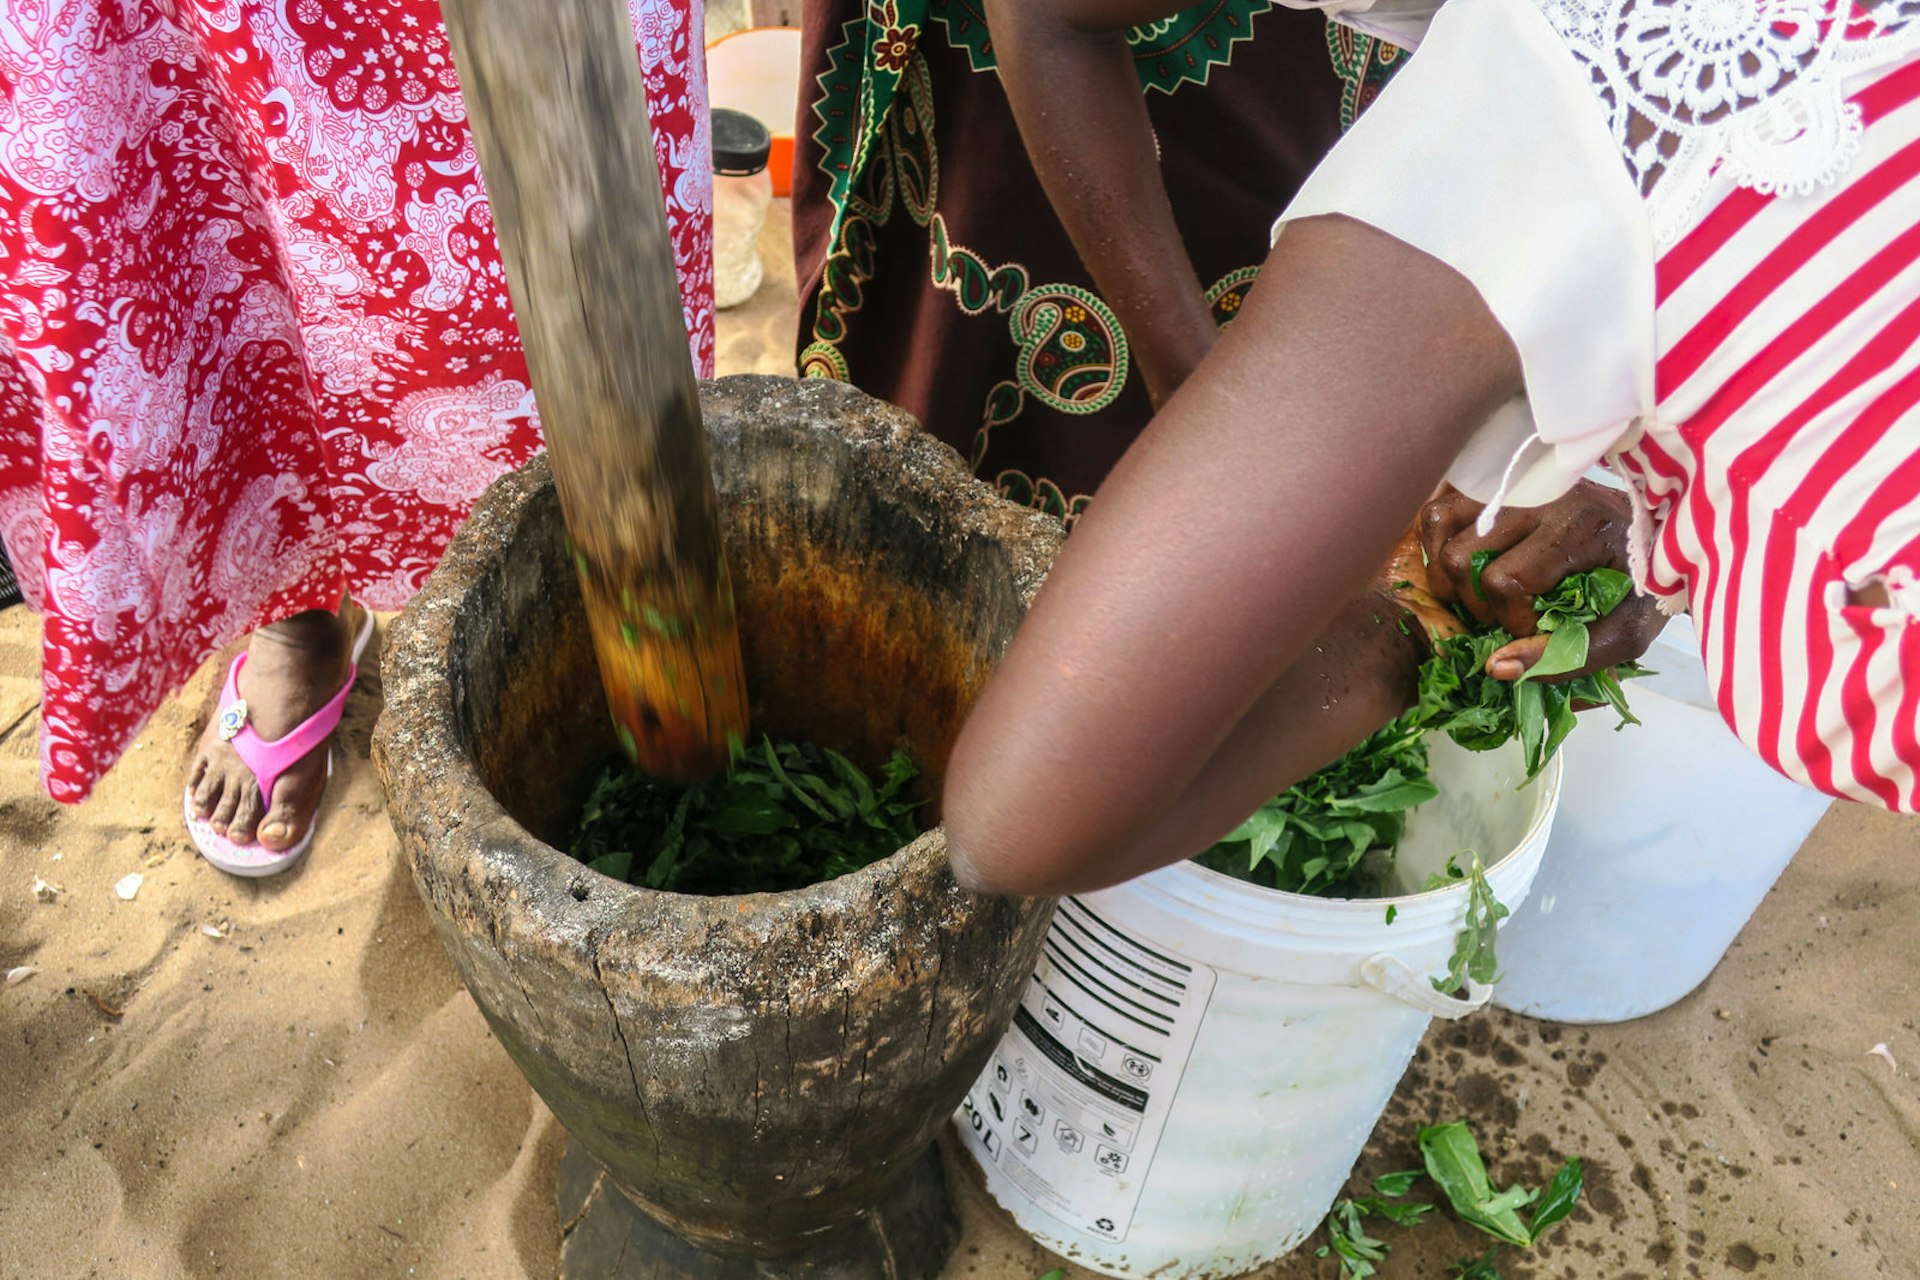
[(660, 930)]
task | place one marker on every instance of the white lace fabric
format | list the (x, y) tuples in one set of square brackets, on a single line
[(1551, 150), (1753, 91)]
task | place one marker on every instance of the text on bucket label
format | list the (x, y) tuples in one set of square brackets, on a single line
[(1073, 1103)]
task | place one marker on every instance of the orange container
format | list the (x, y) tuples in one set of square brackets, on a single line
[(758, 71)]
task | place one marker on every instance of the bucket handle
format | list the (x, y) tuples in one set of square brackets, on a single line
[(1389, 975)]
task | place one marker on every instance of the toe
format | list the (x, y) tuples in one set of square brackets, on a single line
[(206, 792), (283, 828), (290, 816), (246, 816), (223, 809)]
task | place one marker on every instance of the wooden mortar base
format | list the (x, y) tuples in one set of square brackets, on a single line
[(909, 1235)]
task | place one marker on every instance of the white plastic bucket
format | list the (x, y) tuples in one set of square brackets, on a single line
[(1198, 1062), (1668, 837)]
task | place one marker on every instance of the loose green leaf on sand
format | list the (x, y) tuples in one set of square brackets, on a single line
[(785, 815), (1480, 1268), (1453, 1161), (1395, 1185), (1560, 1197), (1347, 1237), (1349, 1241)]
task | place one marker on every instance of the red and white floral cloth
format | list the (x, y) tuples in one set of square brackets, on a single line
[(255, 341)]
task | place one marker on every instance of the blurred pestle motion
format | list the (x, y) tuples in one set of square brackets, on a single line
[(558, 109)]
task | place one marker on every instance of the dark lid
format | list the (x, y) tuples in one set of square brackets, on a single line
[(740, 143)]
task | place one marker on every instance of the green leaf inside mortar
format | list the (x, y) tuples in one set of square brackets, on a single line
[(786, 815)]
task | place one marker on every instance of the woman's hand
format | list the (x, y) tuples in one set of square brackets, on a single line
[(1406, 581), (1527, 553)]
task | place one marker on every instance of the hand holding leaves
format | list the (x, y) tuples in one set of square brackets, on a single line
[(1313, 837), (1459, 694), (1529, 552)]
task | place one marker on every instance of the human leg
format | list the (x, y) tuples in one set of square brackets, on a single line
[(293, 670)]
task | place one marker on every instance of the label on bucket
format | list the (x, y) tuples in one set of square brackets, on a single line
[(1072, 1105)]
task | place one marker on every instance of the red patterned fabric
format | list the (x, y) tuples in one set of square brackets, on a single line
[(255, 342)]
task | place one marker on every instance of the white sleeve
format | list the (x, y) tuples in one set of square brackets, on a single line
[(1401, 22), (1492, 153)]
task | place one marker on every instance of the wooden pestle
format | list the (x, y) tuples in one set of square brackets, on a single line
[(553, 90)]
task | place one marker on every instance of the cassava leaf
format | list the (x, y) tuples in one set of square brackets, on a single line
[(1400, 1214), (1480, 1268), (777, 767), (1566, 651), (673, 842), (1347, 1237), (786, 815), (617, 864), (1395, 1185), (1447, 875), (898, 771), (1560, 1197), (1479, 561), (1581, 598), (1313, 837), (832, 797), (1453, 1162), (859, 791), (1348, 1241), (1473, 947), (749, 815), (1561, 721), (1391, 794)]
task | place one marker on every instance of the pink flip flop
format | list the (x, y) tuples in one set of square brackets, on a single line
[(268, 760)]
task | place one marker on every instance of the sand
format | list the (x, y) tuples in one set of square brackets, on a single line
[(286, 1079)]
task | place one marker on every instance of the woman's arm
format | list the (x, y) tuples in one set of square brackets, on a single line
[(1162, 685), (1069, 76)]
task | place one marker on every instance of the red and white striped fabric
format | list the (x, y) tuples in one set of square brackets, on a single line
[(1705, 245), (1781, 467)]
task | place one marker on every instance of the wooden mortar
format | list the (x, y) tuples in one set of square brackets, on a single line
[(761, 1076)]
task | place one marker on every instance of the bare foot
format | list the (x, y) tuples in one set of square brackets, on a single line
[(294, 667)]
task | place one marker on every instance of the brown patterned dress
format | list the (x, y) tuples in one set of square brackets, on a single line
[(933, 271)]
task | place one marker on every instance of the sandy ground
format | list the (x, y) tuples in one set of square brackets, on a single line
[(287, 1079)]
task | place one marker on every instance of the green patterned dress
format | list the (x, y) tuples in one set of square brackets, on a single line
[(933, 272)]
